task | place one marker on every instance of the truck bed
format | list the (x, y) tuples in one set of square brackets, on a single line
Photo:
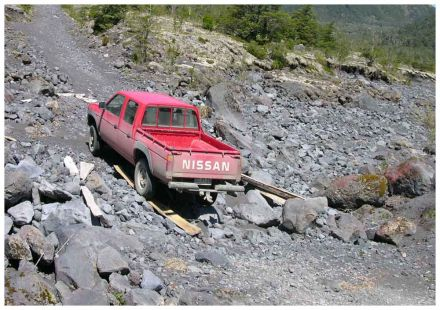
[(194, 142)]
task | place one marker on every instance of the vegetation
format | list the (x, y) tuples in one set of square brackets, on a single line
[(141, 25), (26, 8), (386, 35)]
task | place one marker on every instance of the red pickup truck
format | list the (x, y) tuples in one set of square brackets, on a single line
[(164, 139)]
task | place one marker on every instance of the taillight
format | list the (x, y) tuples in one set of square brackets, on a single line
[(170, 157)]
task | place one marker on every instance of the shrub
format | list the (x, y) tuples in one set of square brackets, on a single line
[(257, 50), (278, 55), (208, 22)]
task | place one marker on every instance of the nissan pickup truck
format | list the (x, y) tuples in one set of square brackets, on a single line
[(163, 138)]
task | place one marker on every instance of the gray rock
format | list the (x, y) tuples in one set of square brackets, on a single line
[(8, 224), (346, 227), (16, 248), (150, 281), (53, 240), (119, 283), (138, 296), (298, 214), (212, 257), (38, 243), (54, 192), (372, 218), (262, 176), (18, 186), (119, 63), (257, 211), (64, 292), (76, 267), (262, 109), (96, 183), (190, 297), (22, 213), (28, 288), (71, 212), (28, 166), (87, 297), (26, 266), (109, 261), (37, 215), (73, 187)]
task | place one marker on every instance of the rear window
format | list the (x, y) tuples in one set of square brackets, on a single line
[(149, 117), (178, 117), (191, 119), (164, 117), (170, 117)]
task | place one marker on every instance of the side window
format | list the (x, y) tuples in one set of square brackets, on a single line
[(191, 119), (130, 112), (178, 117), (164, 118), (149, 117), (115, 105)]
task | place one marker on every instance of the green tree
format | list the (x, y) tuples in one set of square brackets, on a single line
[(106, 16), (141, 24), (305, 25)]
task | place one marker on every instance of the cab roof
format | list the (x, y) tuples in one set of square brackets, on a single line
[(147, 98)]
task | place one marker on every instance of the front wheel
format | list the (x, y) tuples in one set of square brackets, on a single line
[(94, 141), (143, 180)]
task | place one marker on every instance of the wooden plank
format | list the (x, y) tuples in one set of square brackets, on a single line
[(165, 211), (270, 188), (90, 201), (175, 218), (10, 138), (276, 199), (122, 173)]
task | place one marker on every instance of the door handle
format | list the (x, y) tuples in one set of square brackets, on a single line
[(114, 126), (128, 135)]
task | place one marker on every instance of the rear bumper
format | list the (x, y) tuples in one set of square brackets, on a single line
[(193, 187)]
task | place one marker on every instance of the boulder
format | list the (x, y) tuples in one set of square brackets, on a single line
[(71, 212), (298, 214), (38, 243), (353, 191), (119, 283), (346, 227), (22, 213), (28, 166), (28, 288), (191, 297), (76, 267), (410, 178), (262, 176), (16, 248), (372, 218), (257, 210), (87, 297), (97, 184), (18, 186), (8, 224), (53, 192), (232, 136), (212, 257), (138, 296), (150, 281), (109, 261), (395, 229), (263, 109)]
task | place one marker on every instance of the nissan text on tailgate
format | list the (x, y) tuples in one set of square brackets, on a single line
[(163, 138)]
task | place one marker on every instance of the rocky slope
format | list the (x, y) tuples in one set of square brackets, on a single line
[(301, 128)]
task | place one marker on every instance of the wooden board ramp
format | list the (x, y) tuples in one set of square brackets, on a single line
[(270, 190), (164, 210)]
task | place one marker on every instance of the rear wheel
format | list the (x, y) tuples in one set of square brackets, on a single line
[(143, 180), (94, 141)]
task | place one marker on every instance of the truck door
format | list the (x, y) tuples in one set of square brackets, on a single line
[(110, 120), (125, 130)]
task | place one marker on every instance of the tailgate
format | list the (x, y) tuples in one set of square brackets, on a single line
[(205, 165)]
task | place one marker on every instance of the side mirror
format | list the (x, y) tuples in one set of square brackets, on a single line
[(102, 105)]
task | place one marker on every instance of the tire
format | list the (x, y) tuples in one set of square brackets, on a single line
[(94, 141), (143, 180), (203, 199)]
